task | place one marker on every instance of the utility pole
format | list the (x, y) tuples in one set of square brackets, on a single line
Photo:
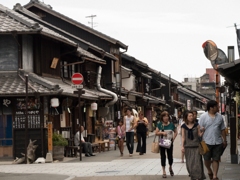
[(92, 16)]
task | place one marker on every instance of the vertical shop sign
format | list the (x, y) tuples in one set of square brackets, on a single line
[(189, 105), (50, 137)]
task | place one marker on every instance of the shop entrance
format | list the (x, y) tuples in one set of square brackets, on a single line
[(6, 148)]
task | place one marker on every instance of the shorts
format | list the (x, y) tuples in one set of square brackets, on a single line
[(215, 152)]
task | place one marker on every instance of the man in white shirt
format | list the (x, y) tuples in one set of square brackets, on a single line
[(87, 146)]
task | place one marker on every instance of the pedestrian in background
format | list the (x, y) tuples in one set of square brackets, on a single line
[(181, 122), (170, 133), (214, 137), (190, 146), (142, 123), (120, 136), (129, 124), (195, 116)]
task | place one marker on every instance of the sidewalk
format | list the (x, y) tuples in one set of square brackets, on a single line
[(227, 170)]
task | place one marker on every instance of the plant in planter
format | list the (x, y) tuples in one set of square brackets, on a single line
[(58, 146)]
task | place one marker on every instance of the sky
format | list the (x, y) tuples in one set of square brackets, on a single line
[(167, 35)]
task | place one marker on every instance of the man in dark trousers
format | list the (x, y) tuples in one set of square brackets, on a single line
[(87, 146)]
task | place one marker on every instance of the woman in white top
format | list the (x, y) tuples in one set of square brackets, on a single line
[(130, 124)]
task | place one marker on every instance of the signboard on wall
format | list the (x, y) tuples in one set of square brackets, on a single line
[(189, 105), (54, 63), (33, 113), (32, 103), (5, 106)]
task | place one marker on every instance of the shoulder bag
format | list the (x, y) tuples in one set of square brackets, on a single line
[(203, 148), (155, 146), (165, 143)]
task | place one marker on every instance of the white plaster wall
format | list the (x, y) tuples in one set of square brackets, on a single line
[(129, 83), (27, 53)]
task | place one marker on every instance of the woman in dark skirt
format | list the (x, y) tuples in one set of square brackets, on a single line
[(190, 145)]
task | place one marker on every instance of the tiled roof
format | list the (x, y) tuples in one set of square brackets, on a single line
[(49, 9), (12, 21), (13, 83), (68, 90), (28, 13)]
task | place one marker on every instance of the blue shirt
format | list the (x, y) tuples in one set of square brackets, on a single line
[(213, 128)]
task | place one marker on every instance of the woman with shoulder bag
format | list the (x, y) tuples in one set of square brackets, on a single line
[(167, 131), (190, 146)]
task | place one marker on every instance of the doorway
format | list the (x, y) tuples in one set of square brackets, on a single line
[(6, 140)]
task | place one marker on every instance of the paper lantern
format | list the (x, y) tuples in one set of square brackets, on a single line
[(54, 102), (94, 106)]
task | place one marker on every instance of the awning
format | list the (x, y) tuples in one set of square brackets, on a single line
[(231, 72), (146, 75), (153, 99), (134, 93), (178, 102), (90, 94)]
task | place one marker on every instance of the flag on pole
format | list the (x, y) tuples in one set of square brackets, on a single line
[(238, 40)]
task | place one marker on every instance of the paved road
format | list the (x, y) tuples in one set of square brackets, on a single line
[(107, 164)]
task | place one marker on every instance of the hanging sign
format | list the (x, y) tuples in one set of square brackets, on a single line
[(54, 63)]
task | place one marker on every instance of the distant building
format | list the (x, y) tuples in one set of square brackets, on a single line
[(191, 83), (208, 83)]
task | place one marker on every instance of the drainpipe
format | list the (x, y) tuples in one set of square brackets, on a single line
[(115, 98)]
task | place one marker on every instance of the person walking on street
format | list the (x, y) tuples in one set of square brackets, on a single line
[(181, 122), (190, 146), (195, 116), (121, 136), (214, 137), (129, 125), (170, 133), (142, 123)]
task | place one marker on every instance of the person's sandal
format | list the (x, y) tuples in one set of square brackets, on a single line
[(215, 179), (210, 176), (164, 176), (171, 172)]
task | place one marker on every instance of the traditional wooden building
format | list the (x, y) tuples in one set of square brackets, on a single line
[(49, 59)]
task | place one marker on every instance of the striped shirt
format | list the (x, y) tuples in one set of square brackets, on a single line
[(213, 128)]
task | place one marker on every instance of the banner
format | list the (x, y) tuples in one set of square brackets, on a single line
[(238, 40)]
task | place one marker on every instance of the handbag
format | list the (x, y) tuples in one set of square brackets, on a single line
[(203, 148), (165, 143), (155, 146)]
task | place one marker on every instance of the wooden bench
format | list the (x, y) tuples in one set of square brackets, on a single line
[(75, 149), (102, 145)]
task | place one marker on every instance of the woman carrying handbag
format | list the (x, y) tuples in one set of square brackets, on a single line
[(190, 145), (167, 132)]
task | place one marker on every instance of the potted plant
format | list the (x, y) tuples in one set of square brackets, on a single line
[(58, 146)]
